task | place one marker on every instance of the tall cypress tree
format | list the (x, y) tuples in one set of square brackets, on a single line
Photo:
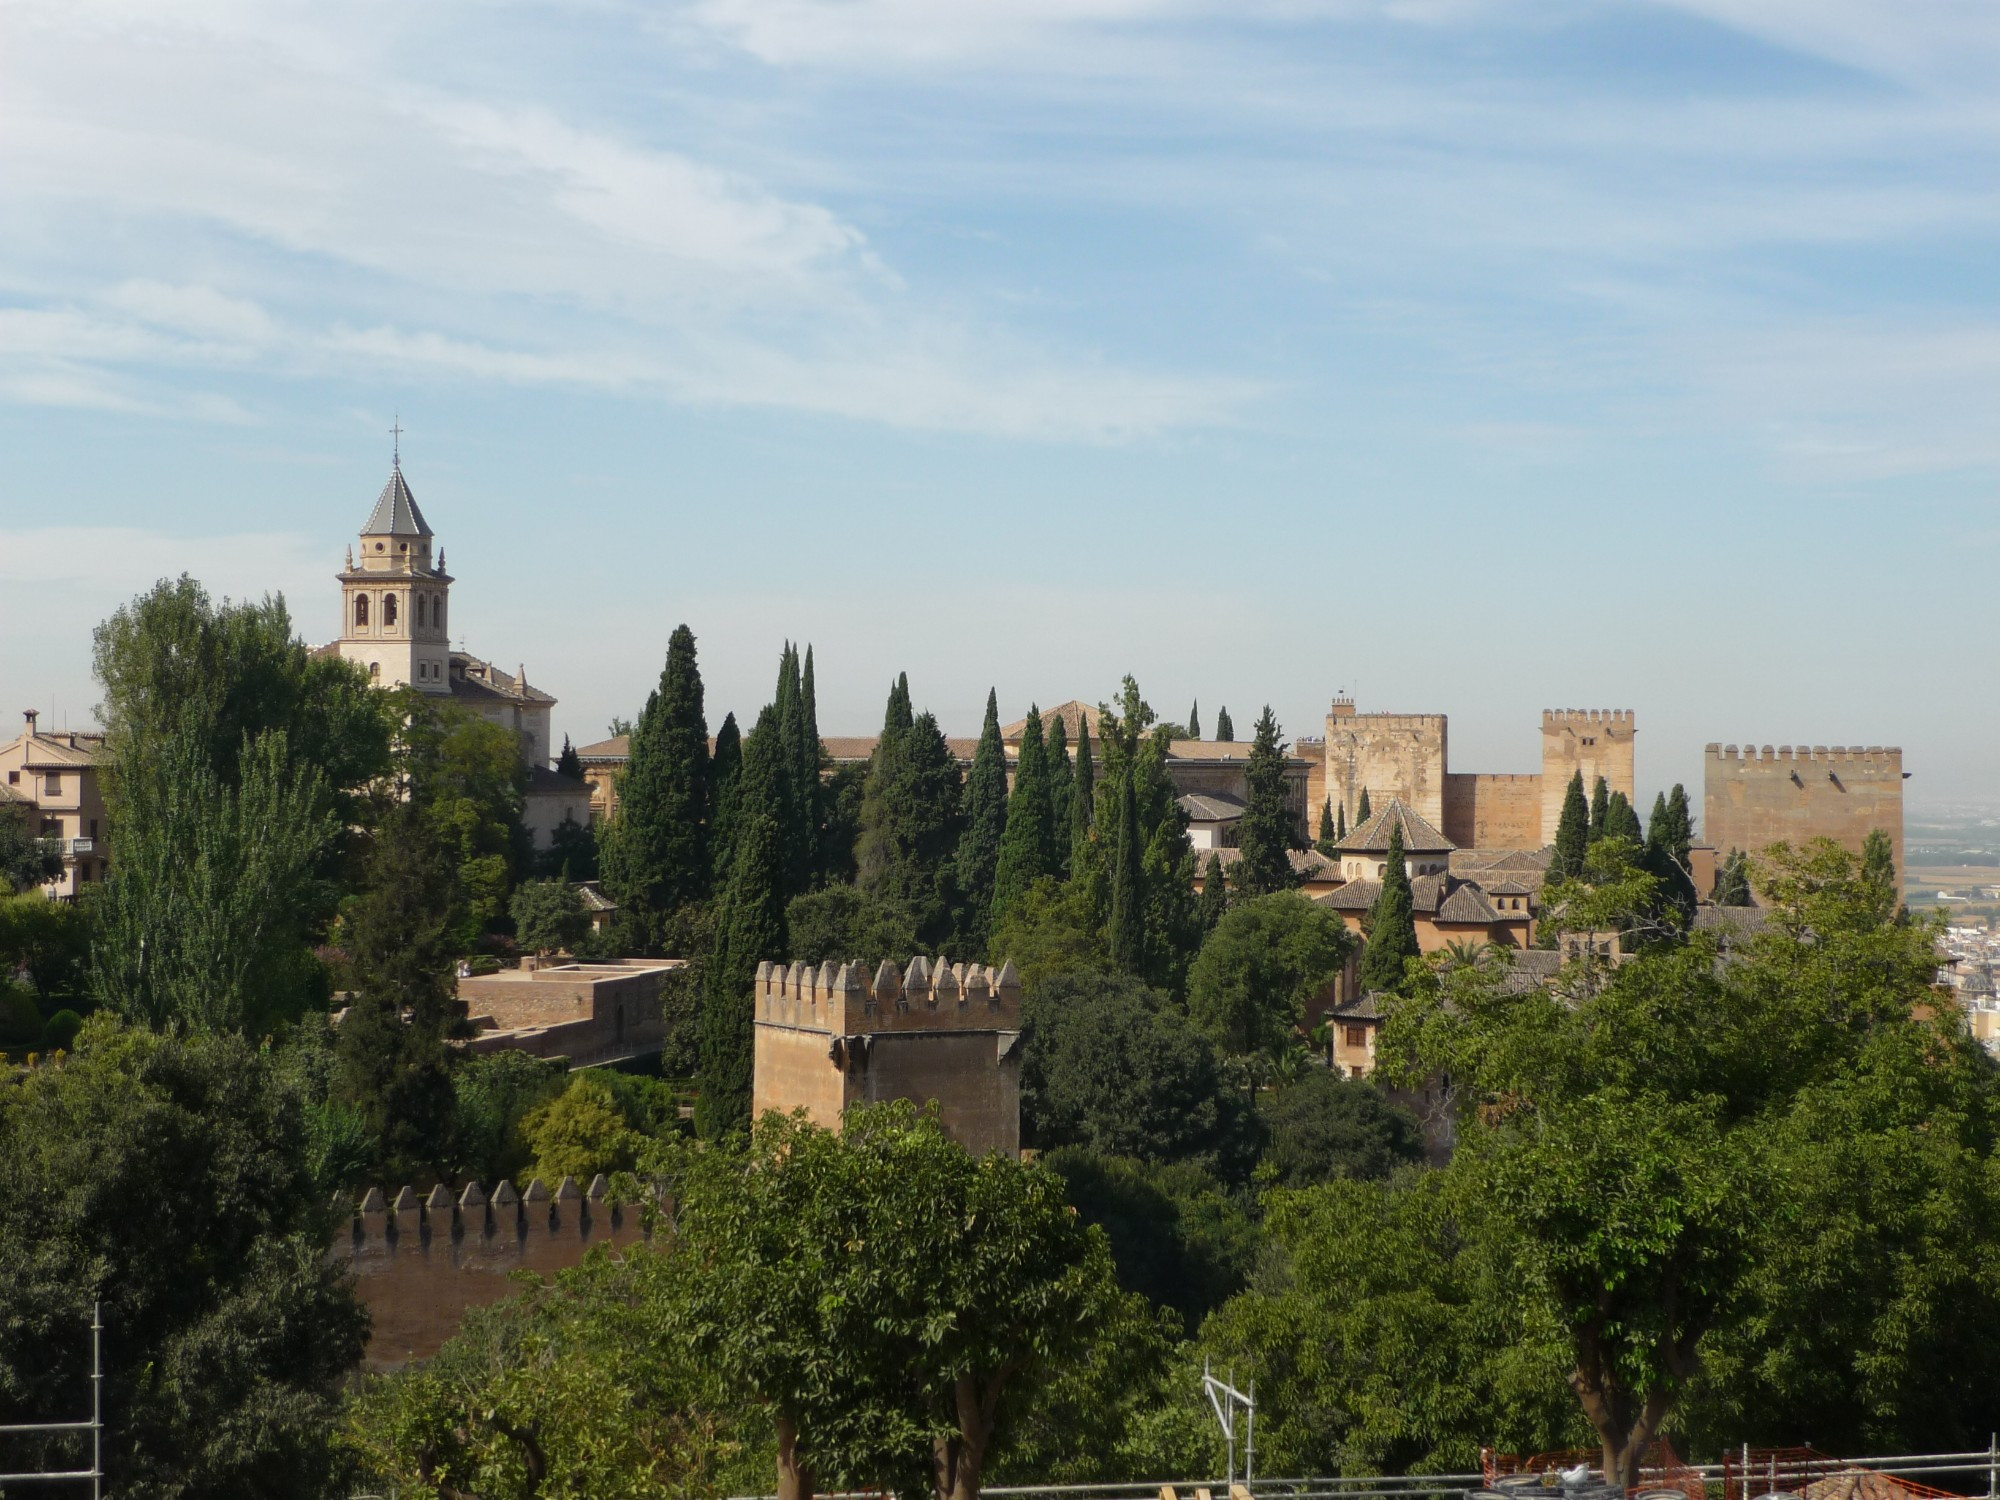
[(1194, 720), (751, 928), (1668, 837), (569, 763), (1224, 730), (810, 767), (1621, 821), (1362, 813), (1062, 791), (1328, 839), (1128, 912), (1340, 822), (1572, 832), (656, 851), (1392, 926), (1028, 851), (725, 777), (1265, 832), (1083, 800), (911, 813), (979, 845), (798, 814), (874, 850), (1214, 893), (1600, 809)]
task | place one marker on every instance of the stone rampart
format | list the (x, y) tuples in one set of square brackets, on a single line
[(420, 1262), (1493, 811), (1754, 798), (835, 1036)]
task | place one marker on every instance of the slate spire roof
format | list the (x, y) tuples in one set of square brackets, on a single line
[(396, 512)]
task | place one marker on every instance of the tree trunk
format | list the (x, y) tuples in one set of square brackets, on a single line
[(956, 1461), (795, 1482)]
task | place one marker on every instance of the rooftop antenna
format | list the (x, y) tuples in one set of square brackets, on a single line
[(396, 434)]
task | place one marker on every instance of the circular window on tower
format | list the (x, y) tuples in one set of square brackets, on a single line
[(402, 546), (381, 546)]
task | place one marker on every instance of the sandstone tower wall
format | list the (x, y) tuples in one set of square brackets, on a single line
[(1389, 755), (1493, 811), (1597, 742), (1752, 799), (833, 1037)]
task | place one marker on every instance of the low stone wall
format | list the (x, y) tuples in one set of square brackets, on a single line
[(420, 1263)]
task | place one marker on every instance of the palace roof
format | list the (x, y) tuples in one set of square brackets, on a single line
[(1419, 837)]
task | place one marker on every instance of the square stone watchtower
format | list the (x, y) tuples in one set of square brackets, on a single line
[(835, 1036)]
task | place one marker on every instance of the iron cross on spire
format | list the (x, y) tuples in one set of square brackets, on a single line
[(396, 433)]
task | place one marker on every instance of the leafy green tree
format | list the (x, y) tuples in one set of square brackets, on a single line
[(493, 1093), (656, 855), (1224, 730), (1056, 929), (466, 775), (1214, 894), (569, 763), (882, 1293), (548, 915), (395, 1061), (208, 915), (1266, 833), (1328, 841), (842, 923), (1112, 1067), (580, 1133), (1323, 1128), (166, 1176), (1392, 924), (1362, 812), (1267, 959), (979, 847), (572, 852), (1030, 850), (27, 860), (1179, 1236), (1643, 1149), (566, 1388), (1572, 832)]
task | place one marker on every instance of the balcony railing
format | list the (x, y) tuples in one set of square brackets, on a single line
[(81, 846)]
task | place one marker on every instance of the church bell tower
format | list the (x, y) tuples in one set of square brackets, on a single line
[(393, 600)]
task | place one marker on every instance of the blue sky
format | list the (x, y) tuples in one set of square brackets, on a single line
[(1467, 355)]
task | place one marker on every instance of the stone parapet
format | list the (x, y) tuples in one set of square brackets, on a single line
[(924, 995)]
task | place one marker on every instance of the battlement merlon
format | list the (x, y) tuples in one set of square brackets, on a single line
[(924, 995), (1425, 722), (1886, 760), (1607, 720)]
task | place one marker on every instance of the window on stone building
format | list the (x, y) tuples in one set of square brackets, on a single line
[(421, 611), (52, 783), (1357, 1036), (360, 609), (374, 669), (388, 609)]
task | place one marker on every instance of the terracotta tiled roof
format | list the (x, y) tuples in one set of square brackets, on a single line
[(1222, 750), (396, 512), (617, 748), (1309, 864), (1366, 1007), (1419, 837), (62, 752), (1211, 807), (479, 681), (1071, 713)]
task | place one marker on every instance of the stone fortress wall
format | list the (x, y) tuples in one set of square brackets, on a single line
[(1754, 798), (420, 1262), (1493, 811), (837, 1036), (1597, 742)]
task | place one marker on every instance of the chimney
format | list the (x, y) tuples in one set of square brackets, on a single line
[(31, 715)]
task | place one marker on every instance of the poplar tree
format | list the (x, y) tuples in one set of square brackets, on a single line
[(1224, 730), (1328, 839), (1361, 811), (1265, 832), (1028, 851), (656, 850), (1194, 720), (1062, 792), (1214, 894), (1392, 926), (1083, 801), (979, 846), (1878, 872), (1572, 832), (1128, 916)]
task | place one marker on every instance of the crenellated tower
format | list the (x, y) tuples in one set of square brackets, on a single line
[(394, 601), (1597, 742)]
